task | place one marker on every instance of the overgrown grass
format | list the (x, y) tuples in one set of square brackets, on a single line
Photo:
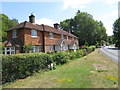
[(79, 73)]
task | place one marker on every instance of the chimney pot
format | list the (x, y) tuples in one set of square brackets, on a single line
[(56, 25), (32, 18)]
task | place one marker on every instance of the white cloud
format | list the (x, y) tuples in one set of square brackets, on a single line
[(75, 3), (111, 1), (108, 20), (45, 21)]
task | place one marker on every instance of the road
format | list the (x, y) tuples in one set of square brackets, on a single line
[(112, 52)]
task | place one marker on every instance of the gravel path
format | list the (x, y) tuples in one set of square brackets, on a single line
[(112, 52)]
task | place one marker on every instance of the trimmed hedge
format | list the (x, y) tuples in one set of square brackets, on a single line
[(20, 66), (23, 65), (90, 49)]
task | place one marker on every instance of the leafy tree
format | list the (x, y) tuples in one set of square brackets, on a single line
[(86, 28), (6, 23), (116, 31)]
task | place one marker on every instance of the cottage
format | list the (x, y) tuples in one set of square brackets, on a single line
[(43, 38)]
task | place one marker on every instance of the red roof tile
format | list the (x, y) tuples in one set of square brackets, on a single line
[(11, 42), (41, 28)]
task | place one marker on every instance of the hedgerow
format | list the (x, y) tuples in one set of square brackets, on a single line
[(20, 66)]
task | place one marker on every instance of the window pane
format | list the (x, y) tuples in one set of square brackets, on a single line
[(8, 48), (12, 48), (34, 32), (8, 52), (12, 52)]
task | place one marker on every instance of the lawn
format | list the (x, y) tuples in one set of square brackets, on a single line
[(79, 73)]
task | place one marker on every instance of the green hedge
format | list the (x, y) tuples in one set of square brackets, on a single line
[(23, 65), (90, 49)]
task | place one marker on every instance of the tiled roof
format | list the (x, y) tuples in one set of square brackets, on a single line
[(41, 28), (11, 42)]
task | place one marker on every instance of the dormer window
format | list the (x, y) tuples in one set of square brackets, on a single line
[(62, 36), (51, 36), (14, 33), (33, 33)]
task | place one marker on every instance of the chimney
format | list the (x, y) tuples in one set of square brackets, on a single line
[(32, 18), (56, 25)]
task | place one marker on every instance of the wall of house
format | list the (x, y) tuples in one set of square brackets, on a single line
[(28, 39)]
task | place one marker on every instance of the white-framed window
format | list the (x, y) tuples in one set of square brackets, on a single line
[(67, 38), (34, 49), (52, 47), (51, 35), (10, 50), (33, 33), (14, 33), (62, 36)]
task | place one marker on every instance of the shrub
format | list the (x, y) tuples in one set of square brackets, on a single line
[(90, 49), (23, 65), (60, 58)]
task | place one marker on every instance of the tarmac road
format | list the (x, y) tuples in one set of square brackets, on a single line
[(112, 52)]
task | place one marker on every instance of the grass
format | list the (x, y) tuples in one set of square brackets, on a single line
[(79, 73)]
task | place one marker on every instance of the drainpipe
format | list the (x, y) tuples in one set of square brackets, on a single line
[(43, 38)]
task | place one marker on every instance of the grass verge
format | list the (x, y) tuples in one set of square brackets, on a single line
[(79, 73)]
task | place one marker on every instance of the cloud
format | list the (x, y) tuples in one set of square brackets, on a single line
[(111, 1), (45, 21), (108, 20), (75, 3)]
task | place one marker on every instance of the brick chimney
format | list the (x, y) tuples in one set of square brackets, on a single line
[(57, 26), (32, 18)]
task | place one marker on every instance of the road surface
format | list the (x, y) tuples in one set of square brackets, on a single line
[(112, 52)]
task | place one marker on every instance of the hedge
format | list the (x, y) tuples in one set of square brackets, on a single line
[(19, 66), (23, 65)]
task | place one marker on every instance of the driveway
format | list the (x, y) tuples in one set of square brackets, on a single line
[(112, 52)]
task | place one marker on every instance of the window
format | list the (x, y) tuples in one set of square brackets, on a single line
[(34, 49), (66, 37), (52, 47), (10, 50), (34, 33), (51, 36), (14, 33), (62, 36)]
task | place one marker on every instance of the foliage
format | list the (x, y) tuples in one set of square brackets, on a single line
[(6, 24), (27, 48), (23, 65), (90, 49), (85, 28), (116, 31), (60, 58)]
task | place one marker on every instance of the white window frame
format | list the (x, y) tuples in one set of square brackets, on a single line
[(34, 49), (62, 36), (51, 47), (10, 50), (67, 38), (51, 35), (14, 33), (33, 33)]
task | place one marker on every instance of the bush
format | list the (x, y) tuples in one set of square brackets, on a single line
[(23, 65), (90, 49), (60, 58)]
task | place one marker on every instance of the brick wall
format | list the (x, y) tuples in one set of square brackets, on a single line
[(28, 39)]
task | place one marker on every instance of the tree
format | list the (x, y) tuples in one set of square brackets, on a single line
[(116, 31), (85, 28), (6, 24)]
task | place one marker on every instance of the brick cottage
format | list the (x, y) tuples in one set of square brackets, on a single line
[(42, 37)]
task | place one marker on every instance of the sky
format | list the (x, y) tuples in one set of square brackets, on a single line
[(49, 12)]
